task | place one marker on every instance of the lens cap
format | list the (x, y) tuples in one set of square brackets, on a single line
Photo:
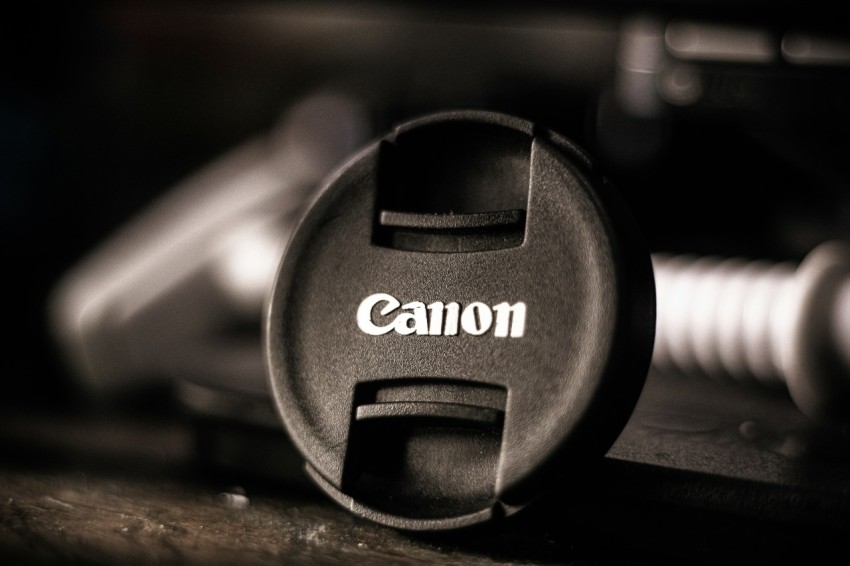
[(463, 319)]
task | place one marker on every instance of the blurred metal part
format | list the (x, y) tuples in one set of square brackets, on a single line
[(773, 322), (179, 291), (698, 41), (632, 121), (803, 48), (640, 56)]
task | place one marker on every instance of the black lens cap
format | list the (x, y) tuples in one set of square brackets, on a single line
[(462, 320)]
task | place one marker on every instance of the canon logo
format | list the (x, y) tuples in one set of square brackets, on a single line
[(441, 319)]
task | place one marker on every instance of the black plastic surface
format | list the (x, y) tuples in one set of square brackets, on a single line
[(423, 415)]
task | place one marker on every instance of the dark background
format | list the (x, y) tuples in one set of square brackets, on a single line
[(105, 106)]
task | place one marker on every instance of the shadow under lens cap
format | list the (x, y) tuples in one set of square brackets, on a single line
[(463, 318)]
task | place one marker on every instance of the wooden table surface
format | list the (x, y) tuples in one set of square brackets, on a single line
[(702, 474)]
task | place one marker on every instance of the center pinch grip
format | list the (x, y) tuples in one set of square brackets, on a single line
[(464, 315)]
